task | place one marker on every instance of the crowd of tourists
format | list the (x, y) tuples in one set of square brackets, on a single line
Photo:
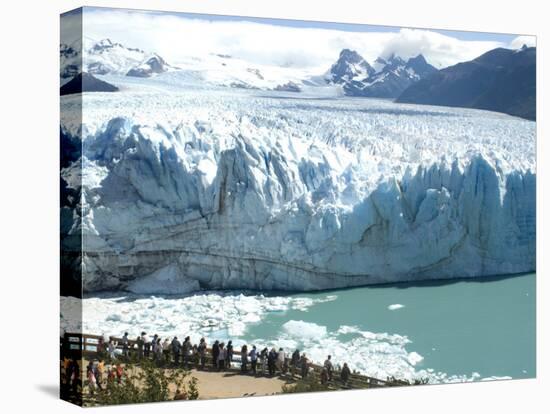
[(175, 353), (221, 356)]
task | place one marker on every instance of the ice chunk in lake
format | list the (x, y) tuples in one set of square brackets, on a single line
[(301, 329)]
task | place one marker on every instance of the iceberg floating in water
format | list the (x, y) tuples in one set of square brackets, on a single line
[(220, 316), (235, 190), (303, 329)]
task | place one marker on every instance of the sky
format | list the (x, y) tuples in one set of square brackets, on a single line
[(288, 43)]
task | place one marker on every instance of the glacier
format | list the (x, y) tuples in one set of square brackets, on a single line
[(179, 187)]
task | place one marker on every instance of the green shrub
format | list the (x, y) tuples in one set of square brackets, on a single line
[(146, 383), (309, 384)]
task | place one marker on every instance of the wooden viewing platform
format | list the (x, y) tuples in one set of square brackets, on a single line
[(86, 346)]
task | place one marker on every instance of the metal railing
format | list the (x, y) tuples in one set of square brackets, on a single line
[(86, 345)]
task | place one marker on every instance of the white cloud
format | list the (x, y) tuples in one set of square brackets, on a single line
[(523, 40), (176, 38), (440, 49)]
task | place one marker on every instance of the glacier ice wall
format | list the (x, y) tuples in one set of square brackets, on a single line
[(261, 193)]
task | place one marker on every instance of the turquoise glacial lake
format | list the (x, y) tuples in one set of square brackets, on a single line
[(485, 326)]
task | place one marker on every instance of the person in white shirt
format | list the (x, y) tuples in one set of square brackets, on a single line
[(158, 351), (329, 367), (280, 360), (253, 359), (146, 344), (125, 345), (112, 348), (221, 357)]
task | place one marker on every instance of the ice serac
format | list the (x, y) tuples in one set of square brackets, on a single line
[(267, 194)]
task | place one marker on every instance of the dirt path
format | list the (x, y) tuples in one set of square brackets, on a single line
[(233, 384), (227, 384)]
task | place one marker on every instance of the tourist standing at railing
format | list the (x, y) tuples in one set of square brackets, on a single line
[(215, 353), (229, 349), (222, 356), (244, 358), (166, 350), (295, 360), (158, 351), (176, 349), (281, 360), (304, 365), (186, 351), (139, 343), (271, 360), (146, 344), (125, 345), (328, 366), (202, 352), (253, 359), (345, 374), (112, 348), (154, 346), (263, 359)]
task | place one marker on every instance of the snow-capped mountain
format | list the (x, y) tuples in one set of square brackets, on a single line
[(154, 65), (349, 67), (387, 78), (351, 73), (106, 57), (221, 70)]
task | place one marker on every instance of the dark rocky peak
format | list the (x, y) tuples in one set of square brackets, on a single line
[(350, 56), (420, 66), (394, 61), (349, 65)]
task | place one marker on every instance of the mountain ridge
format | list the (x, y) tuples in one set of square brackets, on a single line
[(501, 80), (391, 76)]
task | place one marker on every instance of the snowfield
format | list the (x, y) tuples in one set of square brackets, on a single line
[(187, 187)]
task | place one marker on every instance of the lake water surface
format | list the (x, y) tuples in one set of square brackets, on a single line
[(461, 330), (485, 325)]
